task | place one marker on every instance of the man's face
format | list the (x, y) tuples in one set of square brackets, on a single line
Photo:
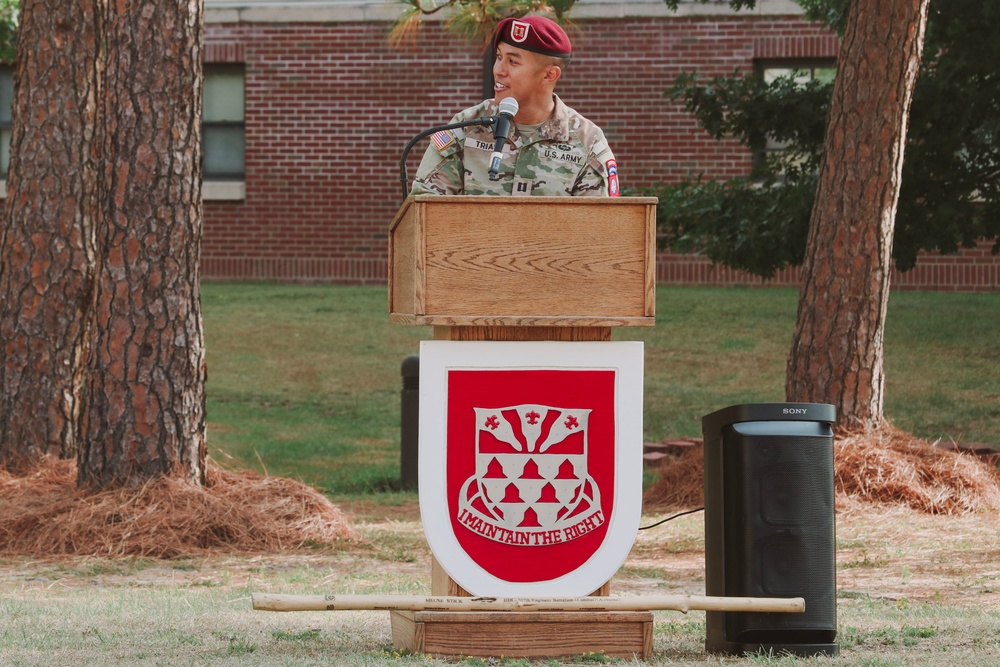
[(520, 74)]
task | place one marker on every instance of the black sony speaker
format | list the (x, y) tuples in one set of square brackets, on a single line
[(769, 526)]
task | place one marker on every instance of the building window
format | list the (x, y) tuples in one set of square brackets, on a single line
[(223, 128), (6, 105), (801, 73)]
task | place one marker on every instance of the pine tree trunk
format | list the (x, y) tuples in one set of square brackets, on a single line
[(145, 411), (837, 350), (47, 249)]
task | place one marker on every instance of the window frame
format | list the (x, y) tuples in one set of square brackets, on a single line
[(224, 185), (763, 65), (6, 125)]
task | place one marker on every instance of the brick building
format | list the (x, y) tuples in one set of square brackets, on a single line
[(307, 111)]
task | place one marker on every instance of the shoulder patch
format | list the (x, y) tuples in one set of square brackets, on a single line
[(442, 139), (612, 167)]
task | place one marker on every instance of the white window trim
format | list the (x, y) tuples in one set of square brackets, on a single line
[(223, 190)]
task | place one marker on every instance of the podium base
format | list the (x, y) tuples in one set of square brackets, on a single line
[(518, 634)]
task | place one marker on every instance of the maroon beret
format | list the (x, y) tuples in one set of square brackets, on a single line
[(534, 33)]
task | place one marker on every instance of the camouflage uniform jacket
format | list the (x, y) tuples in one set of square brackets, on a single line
[(567, 156)]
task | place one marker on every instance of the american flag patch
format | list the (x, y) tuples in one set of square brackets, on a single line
[(442, 139)]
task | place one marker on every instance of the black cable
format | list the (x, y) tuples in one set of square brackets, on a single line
[(670, 518), (485, 121)]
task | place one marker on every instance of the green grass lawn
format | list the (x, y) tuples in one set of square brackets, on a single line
[(304, 381)]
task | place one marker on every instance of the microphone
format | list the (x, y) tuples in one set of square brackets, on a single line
[(485, 121), (508, 109)]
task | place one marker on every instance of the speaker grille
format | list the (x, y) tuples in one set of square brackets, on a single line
[(779, 533)]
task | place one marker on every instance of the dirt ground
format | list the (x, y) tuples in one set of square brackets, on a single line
[(197, 610), (888, 553), (884, 552)]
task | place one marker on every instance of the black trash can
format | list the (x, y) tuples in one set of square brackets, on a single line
[(409, 422), (769, 526)]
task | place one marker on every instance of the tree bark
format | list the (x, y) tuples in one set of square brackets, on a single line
[(837, 352), (46, 241), (145, 410)]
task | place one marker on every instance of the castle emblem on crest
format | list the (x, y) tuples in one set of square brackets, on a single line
[(519, 31), (531, 486)]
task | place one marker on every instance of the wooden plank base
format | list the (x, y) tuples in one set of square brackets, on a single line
[(519, 634)]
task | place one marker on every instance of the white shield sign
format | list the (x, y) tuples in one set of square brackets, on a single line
[(530, 462)]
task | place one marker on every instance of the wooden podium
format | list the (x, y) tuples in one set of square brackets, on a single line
[(522, 269), (531, 268)]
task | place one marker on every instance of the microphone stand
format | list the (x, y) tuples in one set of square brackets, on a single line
[(486, 121)]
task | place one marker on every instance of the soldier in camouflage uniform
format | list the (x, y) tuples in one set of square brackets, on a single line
[(551, 151)]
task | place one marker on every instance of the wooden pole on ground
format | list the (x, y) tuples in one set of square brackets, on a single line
[(682, 603)]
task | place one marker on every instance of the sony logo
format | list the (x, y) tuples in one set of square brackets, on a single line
[(793, 411)]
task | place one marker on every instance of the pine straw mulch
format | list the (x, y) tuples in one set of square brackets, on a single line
[(43, 513), (887, 466)]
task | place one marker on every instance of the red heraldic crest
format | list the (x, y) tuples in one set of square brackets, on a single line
[(523, 501), (519, 31)]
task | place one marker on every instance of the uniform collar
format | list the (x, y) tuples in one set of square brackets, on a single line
[(556, 127)]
